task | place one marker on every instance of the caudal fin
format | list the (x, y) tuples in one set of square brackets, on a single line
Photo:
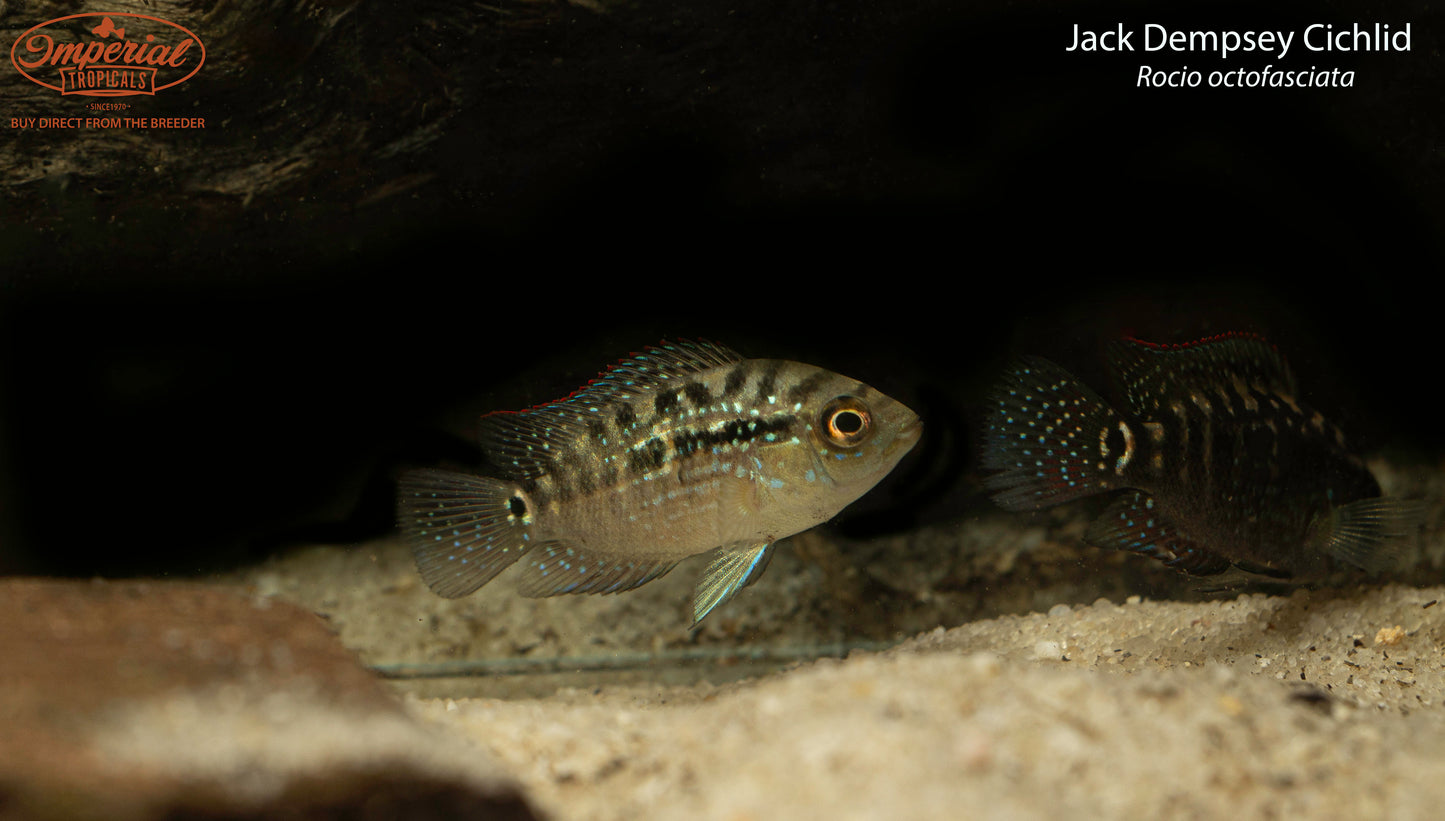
[(462, 529), (1375, 534), (1043, 436)]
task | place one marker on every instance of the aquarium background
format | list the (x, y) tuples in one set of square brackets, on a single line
[(908, 195), (220, 346)]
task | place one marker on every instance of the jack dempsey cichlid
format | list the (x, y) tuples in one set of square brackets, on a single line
[(1219, 462), (682, 449)]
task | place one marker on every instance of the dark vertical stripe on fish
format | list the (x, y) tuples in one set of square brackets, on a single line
[(698, 394), (666, 402), (767, 381), (625, 417), (561, 488), (737, 377), (801, 391), (576, 466)]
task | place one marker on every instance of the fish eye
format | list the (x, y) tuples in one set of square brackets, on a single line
[(846, 422)]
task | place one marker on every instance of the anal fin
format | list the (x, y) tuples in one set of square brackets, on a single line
[(1131, 523), (557, 569), (1256, 569), (733, 569)]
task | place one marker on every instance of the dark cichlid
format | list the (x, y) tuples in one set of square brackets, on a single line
[(683, 449), (1220, 463)]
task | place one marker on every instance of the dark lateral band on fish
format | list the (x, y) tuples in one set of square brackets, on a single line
[(647, 456), (736, 432), (685, 448)]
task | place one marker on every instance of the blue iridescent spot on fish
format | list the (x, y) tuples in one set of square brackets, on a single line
[(1218, 462), (683, 449)]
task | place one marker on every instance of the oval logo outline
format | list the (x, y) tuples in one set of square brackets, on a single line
[(18, 40)]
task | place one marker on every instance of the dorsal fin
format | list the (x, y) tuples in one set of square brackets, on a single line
[(1148, 371), (522, 442), (645, 372)]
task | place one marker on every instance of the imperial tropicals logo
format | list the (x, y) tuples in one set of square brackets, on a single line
[(108, 54)]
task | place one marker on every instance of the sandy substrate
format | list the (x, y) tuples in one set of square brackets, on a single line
[(987, 667), (1261, 707), (1061, 691)]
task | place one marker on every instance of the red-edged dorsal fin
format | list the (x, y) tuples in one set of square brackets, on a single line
[(1150, 371)]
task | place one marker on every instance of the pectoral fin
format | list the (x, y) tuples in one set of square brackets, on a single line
[(733, 569)]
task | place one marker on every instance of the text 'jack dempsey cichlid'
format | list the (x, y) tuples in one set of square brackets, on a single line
[(682, 449), (1220, 462)]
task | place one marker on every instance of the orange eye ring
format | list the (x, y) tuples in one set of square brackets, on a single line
[(846, 422)]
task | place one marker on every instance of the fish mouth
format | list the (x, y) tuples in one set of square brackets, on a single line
[(908, 435)]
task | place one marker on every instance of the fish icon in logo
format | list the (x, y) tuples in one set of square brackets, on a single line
[(107, 28)]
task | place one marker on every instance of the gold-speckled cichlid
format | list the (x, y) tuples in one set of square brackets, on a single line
[(1220, 462), (682, 449)]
